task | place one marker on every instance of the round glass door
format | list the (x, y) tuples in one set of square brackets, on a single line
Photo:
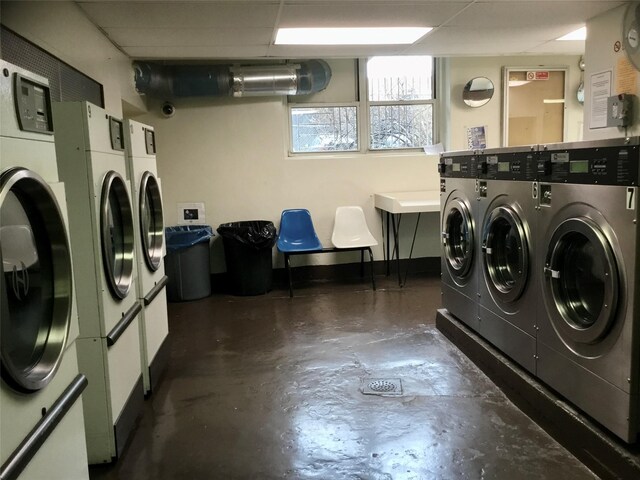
[(581, 278), (36, 282), (117, 234), (505, 254), (458, 239), (151, 222)]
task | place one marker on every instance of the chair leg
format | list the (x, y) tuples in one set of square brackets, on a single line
[(373, 278), (361, 262), (287, 263)]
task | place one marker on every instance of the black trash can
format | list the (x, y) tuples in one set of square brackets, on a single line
[(187, 262), (247, 253)]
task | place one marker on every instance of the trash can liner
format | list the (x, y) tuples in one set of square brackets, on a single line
[(257, 234), (184, 236)]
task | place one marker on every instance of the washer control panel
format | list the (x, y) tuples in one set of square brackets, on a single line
[(591, 164), (458, 165), (508, 165), (33, 105)]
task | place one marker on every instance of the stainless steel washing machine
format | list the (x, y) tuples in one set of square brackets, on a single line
[(507, 215), (589, 264), (458, 226)]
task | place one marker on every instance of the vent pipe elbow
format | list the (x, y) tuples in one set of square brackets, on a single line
[(172, 81)]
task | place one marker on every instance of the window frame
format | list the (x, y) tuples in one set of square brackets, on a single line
[(291, 106), (362, 106), (364, 87)]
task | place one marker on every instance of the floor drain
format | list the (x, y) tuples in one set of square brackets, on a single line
[(382, 386)]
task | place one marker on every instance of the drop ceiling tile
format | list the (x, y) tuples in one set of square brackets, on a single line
[(528, 13), (180, 14), (166, 37), (387, 14), (483, 40), (573, 47), (196, 53)]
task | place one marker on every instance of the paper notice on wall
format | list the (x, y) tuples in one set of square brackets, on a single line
[(191, 213), (476, 137), (626, 77), (600, 91)]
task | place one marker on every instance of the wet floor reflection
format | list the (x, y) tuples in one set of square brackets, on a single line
[(269, 387)]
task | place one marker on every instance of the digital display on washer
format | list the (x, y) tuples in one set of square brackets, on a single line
[(579, 166), (456, 167), (503, 166)]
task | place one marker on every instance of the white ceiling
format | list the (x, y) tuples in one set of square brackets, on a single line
[(244, 29)]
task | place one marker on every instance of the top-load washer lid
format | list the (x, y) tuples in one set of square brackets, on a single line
[(37, 282), (458, 238), (116, 229), (151, 221)]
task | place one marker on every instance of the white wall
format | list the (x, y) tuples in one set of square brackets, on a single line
[(602, 34), (64, 31), (464, 69), (231, 154)]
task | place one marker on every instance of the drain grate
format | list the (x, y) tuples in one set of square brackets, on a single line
[(382, 386)]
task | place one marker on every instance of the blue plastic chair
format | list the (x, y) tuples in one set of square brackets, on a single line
[(296, 236)]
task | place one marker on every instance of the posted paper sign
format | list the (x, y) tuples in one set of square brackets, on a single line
[(191, 213), (600, 92), (476, 137)]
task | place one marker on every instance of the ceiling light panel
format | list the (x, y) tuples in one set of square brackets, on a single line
[(350, 36)]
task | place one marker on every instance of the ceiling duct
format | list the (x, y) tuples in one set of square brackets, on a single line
[(174, 81)]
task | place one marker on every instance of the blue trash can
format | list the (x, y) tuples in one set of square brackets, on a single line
[(187, 262)]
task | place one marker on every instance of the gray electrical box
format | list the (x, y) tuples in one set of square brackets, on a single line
[(620, 110)]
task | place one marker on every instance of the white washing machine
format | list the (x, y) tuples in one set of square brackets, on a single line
[(90, 148), (507, 285), (41, 419), (459, 269), (588, 258), (140, 145)]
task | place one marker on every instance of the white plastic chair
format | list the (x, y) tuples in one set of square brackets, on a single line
[(350, 232)]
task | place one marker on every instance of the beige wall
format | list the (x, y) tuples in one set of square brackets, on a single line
[(490, 115), (231, 154), (603, 32), (64, 31)]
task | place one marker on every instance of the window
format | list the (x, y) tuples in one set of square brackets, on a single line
[(324, 129), (398, 107), (401, 102)]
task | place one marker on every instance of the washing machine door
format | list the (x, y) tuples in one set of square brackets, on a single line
[(505, 254), (458, 239), (581, 281), (37, 282), (151, 221), (116, 223)]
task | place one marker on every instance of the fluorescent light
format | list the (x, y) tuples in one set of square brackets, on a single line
[(518, 83), (580, 34), (350, 36), (553, 100)]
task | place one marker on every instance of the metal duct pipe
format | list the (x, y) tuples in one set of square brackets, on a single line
[(172, 81)]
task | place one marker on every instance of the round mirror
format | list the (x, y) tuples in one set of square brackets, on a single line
[(477, 92)]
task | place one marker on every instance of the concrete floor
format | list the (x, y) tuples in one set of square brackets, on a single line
[(270, 387)]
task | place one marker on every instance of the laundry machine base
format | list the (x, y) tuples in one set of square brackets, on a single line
[(509, 339), (460, 306), (154, 331), (613, 408), (158, 365)]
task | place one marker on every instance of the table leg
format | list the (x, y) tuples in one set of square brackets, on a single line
[(413, 242)]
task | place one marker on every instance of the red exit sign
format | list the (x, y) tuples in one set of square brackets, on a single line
[(538, 75)]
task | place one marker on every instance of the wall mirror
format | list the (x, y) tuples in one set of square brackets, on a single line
[(477, 92)]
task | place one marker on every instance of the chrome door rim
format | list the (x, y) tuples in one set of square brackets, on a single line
[(563, 315), (122, 265), (37, 375), (459, 269), (151, 247), (496, 284)]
